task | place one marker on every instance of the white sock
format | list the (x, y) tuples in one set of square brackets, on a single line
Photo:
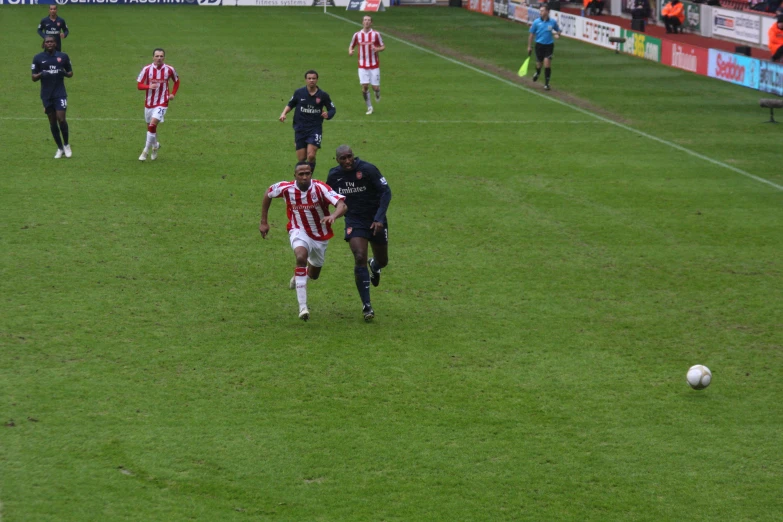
[(152, 138), (366, 96), (301, 291)]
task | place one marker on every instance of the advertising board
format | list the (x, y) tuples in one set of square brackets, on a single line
[(734, 68), (736, 25), (685, 56)]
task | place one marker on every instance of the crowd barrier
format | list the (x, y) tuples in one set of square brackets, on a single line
[(204, 3), (735, 68)]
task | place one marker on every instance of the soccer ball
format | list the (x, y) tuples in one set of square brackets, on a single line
[(699, 377)]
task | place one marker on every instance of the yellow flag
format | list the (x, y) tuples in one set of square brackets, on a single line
[(523, 69)]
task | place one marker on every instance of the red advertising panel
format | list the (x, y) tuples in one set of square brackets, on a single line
[(684, 56)]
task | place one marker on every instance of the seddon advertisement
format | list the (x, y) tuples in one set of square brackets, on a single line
[(734, 68)]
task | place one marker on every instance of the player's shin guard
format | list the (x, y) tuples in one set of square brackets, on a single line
[(64, 130), (300, 274), (56, 135), (547, 74), (362, 276)]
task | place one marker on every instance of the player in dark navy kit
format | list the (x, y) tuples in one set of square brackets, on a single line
[(51, 68), (53, 25), (368, 196), (312, 106)]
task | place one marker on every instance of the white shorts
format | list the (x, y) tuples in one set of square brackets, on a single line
[(371, 76), (316, 250), (156, 112)]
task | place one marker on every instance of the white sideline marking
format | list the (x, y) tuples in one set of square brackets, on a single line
[(578, 109), (272, 120)]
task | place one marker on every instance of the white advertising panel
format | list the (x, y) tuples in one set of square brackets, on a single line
[(736, 25)]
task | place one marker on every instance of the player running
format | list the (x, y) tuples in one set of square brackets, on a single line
[(313, 106), (368, 196), (154, 79), (309, 224), (370, 44), (51, 67), (53, 25)]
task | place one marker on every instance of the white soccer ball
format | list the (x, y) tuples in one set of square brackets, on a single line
[(699, 377)]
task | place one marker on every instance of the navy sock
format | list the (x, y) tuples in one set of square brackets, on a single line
[(64, 130), (56, 135), (362, 276), (312, 166), (547, 74), (538, 70)]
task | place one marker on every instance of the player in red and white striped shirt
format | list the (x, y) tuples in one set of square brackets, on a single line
[(370, 44), (309, 225), (155, 79)]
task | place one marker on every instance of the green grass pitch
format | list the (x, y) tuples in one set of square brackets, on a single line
[(557, 262)]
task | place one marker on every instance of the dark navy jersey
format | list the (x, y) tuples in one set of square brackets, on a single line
[(308, 109), (47, 27), (366, 192), (53, 68)]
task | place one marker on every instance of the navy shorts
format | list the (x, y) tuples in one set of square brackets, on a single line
[(302, 139), (55, 104), (364, 230)]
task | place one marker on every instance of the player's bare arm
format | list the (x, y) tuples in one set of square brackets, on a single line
[(263, 227), (530, 44), (286, 110), (339, 211)]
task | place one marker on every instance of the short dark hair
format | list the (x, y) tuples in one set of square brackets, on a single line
[(311, 71), (158, 49), (300, 163)]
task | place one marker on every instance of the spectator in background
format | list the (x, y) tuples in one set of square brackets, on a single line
[(776, 39), (673, 16), (641, 10), (594, 7)]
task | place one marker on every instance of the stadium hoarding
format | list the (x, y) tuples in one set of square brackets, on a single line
[(486, 7), (117, 2), (365, 5), (685, 56), (771, 78), (692, 17), (641, 45), (598, 33), (500, 8), (734, 68), (736, 25), (568, 23)]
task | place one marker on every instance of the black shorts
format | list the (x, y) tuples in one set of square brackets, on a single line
[(381, 238), (302, 139), (544, 51)]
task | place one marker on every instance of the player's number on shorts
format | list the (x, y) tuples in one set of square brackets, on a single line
[(317, 139), (64, 103)]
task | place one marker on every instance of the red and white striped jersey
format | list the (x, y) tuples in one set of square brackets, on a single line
[(306, 209), (158, 80), (364, 41)]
